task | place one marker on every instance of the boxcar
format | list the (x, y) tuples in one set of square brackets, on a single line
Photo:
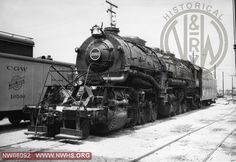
[(21, 82), (16, 44)]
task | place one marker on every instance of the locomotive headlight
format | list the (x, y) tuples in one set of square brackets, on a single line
[(100, 55), (95, 54)]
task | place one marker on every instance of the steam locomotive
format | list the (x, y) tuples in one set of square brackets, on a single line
[(120, 82)]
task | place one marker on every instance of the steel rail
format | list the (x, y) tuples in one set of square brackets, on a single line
[(179, 138), (214, 150), (16, 143)]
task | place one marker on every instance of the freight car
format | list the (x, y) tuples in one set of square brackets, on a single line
[(121, 83), (22, 76)]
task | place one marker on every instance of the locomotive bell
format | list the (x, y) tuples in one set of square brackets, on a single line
[(97, 32), (100, 55)]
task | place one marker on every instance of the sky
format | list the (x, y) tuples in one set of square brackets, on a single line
[(58, 26)]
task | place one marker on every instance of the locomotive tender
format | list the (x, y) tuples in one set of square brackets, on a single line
[(120, 82)]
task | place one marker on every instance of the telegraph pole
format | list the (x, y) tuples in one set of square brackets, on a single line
[(233, 86), (223, 85), (234, 29)]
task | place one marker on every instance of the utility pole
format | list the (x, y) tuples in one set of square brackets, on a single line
[(234, 29), (233, 86), (223, 85)]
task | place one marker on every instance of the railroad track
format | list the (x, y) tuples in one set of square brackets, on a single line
[(187, 134), (40, 138), (214, 150), (16, 143), (154, 150)]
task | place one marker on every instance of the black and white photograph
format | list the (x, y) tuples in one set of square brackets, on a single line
[(118, 80)]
